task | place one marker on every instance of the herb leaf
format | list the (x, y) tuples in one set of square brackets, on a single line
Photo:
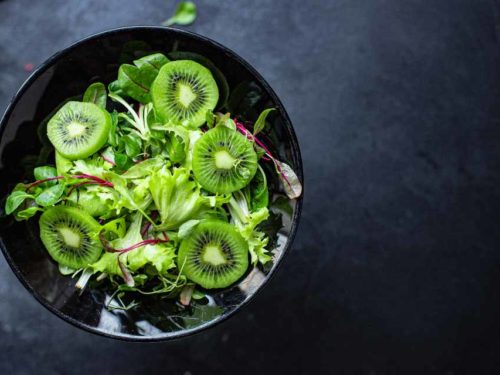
[(15, 200), (42, 173), (96, 93), (135, 80), (27, 213), (50, 196), (261, 121), (185, 14)]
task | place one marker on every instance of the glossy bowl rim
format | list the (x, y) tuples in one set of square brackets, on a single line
[(295, 150)]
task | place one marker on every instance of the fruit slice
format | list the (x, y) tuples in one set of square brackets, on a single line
[(183, 92), (70, 236), (78, 129), (214, 255), (223, 160)]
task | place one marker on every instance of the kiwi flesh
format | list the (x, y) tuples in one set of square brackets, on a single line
[(78, 130), (70, 236), (183, 92), (223, 160), (214, 255)]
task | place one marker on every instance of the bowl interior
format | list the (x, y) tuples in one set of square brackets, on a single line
[(23, 146)]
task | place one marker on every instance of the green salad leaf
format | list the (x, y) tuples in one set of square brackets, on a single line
[(185, 14), (15, 199), (176, 197), (96, 93)]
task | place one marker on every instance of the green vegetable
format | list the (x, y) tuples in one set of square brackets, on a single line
[(176, 197), (14, 200), (135, 80), (261, 121), (185, 14), (96, 93), (140, 187), (50, 196)]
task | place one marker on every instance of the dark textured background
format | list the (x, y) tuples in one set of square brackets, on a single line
[(396, 265)]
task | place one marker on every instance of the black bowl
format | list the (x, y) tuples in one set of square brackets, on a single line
[(23, 145)]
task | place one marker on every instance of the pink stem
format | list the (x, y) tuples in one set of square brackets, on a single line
[(268, 156), (137, 245), (94, 178), (42, 181), (108, 160)]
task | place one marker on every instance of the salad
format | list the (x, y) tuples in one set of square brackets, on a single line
[(151, 190)]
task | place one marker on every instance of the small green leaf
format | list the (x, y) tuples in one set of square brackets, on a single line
[(185, 14), (135, 83), (50, 196), (42, 173), (132, 145), (27, 213), (96, 93), (15, 200), (261, 121), (144, 168), (259, 195), (186, 228), (152, 63), (122, 161)]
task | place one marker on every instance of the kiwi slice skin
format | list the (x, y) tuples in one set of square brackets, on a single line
[(183, 92), (223, 160), (70, 236), (78, 130), (214, 255)]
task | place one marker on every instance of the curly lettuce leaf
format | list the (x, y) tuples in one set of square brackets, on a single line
[(176, 197)]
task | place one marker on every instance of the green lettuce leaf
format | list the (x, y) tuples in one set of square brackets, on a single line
[(176, 197)]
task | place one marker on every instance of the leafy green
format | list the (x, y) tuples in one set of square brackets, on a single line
[(50, 196), (27, 213), (14, 200), (96, 93), (185, 14), (261, 120), (246, 222), (135, 80), (42, 173), (176, 197), (257, 190), (289, 180)]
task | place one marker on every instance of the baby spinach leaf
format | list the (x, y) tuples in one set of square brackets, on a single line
[(261, 121), (185, 14), (132, 145), (15, 199), (135, 80), (152, 63), (27, 213), (259, 195), (42, 173), (50, 196), (144, 168), (135, 83), (96, 93)]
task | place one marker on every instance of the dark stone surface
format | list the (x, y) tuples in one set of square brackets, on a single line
[(396, 266)]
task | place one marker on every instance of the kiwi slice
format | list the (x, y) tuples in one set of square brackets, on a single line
[(183, 92), (79, 129), (223, 160), (213, 255), (70, 236)]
